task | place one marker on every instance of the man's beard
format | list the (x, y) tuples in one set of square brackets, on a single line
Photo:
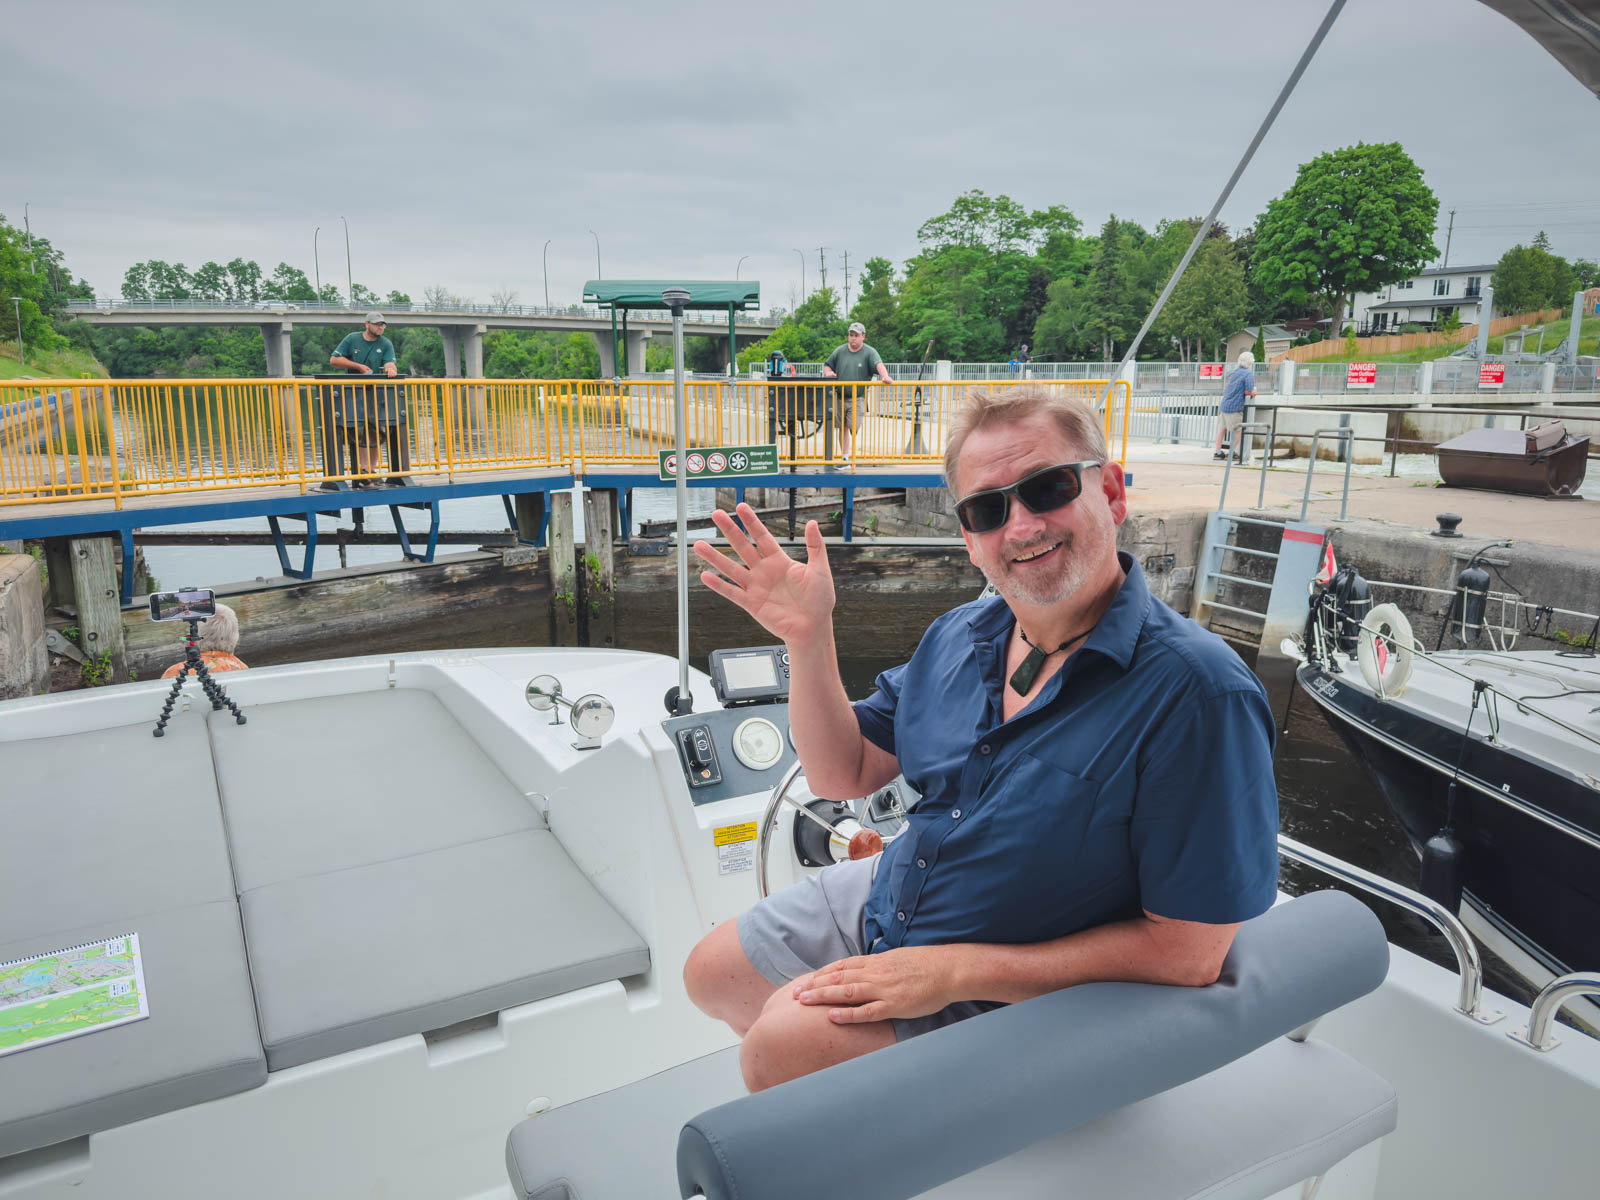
[(1071, 574)]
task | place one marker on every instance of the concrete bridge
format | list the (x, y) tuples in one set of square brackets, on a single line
[(461, 325)]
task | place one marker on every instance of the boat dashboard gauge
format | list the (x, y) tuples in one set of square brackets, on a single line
[(758, 744)]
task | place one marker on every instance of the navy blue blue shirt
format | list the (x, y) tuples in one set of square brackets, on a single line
[(1139, 778)]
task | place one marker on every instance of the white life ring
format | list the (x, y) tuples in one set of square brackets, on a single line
[(1384, 651)]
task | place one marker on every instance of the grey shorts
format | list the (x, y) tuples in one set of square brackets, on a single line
[(818, 921), (1232, 421)]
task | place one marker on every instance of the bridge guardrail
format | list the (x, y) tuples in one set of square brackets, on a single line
[(66, 440), (269, 308)]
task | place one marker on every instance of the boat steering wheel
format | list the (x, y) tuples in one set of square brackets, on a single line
[(863, 840)]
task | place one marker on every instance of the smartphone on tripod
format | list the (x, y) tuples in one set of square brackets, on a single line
[(185, 604)]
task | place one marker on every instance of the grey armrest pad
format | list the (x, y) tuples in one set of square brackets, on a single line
[(956, 1099)]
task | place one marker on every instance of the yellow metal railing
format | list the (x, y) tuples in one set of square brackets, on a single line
[(901, 423), (110, 439)]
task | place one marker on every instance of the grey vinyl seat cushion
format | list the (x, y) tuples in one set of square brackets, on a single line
[(1042, 1098), (410, 887), (111, 833)]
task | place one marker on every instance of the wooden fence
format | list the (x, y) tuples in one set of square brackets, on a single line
[(1396, 343)]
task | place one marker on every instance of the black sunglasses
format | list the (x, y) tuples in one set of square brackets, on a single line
[(1043, 491)]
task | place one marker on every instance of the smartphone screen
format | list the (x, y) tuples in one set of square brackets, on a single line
[(187, 604)]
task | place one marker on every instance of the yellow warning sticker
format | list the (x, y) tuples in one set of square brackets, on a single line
[(727, 835)]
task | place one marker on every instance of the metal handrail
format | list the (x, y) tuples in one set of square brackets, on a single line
[(1469, 1000), (1346, 434), (586, 312), (1238, 448), (1542, 1012)]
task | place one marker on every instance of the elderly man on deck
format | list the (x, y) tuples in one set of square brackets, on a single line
[(1095, 770)]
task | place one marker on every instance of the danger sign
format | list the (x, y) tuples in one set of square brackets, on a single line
[(1361, 375), (1210, 370), (1492, 375)]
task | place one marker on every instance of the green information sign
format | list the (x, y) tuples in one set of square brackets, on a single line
[(722, 462)]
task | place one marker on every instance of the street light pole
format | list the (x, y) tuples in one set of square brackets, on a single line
[(22, 353), (742, 257), (349, 275), (598, 273), (802, 276), (546, 257), (316, 261)]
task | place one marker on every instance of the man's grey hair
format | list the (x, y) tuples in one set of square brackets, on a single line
[(1067, 407), (220, 632)]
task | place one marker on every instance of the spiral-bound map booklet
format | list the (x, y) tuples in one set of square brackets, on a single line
[(66, 993)]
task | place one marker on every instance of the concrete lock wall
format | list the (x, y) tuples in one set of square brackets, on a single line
[(24, 665)]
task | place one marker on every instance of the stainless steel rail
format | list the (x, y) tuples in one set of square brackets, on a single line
[(1469, 1001), (1345, 434), (1542, 1012), (1237, 448)]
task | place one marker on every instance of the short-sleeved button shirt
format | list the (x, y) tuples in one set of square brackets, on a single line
[(356, 348), (1240, 380), (1140, 778)]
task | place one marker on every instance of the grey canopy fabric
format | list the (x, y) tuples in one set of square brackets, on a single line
[(1568, 29)]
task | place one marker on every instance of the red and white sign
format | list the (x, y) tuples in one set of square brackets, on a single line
[(1210, 370), (718, 461), (671, 465), (1361, 375), (1492, 375), (697, 463)]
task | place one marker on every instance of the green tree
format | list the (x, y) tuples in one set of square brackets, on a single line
[(1062, 328), (20, 277), (1355, 220), (1585, 273), (1208, 304), (878, 308), (1111, 317), (1531, 277)]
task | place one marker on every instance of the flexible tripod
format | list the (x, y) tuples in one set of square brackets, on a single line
[(193, 662)]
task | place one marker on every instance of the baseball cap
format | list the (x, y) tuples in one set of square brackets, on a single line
[(858, 327), (376, 318)]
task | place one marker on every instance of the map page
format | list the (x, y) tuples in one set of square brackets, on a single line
[(65, 993)]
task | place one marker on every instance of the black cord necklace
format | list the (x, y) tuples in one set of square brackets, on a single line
[(1028, 670)]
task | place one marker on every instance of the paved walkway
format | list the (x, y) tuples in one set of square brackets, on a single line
[(1188, 477)]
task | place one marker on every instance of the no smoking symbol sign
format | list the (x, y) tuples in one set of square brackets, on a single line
[(717, 462)]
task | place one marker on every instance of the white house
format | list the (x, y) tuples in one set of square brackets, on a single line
[(1424, 299)]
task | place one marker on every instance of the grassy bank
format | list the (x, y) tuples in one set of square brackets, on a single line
[(48, 364), (1588, 343)]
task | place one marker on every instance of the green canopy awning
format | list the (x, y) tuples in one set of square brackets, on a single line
[(646, 293)]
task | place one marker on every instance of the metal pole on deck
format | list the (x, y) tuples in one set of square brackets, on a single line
[(679, 701)]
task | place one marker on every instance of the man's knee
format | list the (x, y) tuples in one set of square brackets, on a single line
[(720, 980), (790, 1039)]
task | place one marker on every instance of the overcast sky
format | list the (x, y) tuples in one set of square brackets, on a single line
[(457, 139)]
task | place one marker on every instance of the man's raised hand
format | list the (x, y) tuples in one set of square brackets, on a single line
[(791, 600)]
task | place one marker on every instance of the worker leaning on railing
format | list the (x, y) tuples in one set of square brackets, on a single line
[(365, 353), (854, 362)]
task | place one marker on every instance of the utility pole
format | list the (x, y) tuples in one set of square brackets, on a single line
[(1448, 231), (349, 275), (28, 229), (22, 351), (316, 260), (847, 283), (822, 264), (802, 279)]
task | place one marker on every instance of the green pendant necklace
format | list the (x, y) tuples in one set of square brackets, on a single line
[(1028, 670)]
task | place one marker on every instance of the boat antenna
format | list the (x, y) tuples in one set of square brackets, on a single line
[(679, 700), (1227, 190)]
